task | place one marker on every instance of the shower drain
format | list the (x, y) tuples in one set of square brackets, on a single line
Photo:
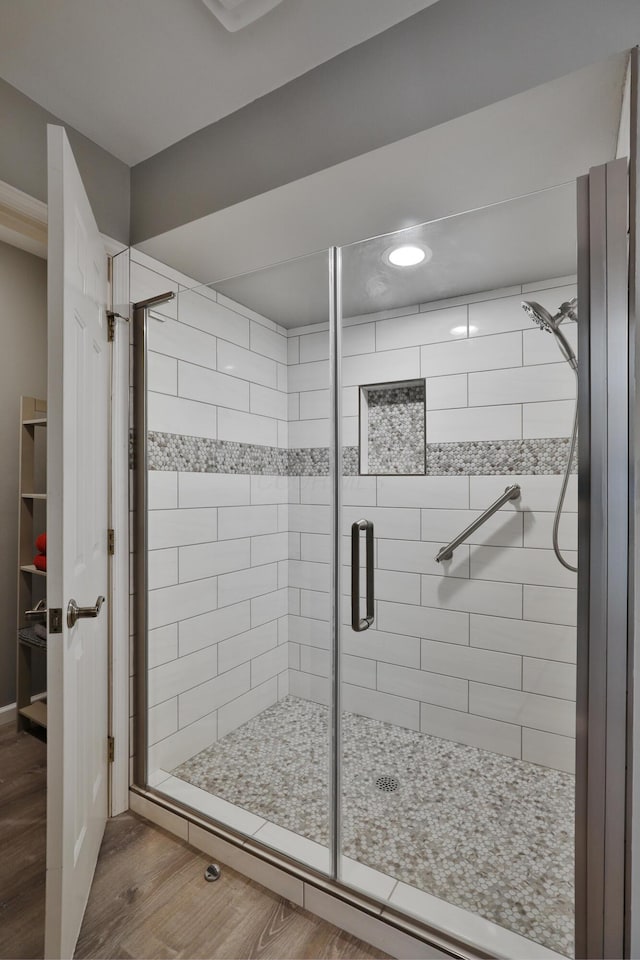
[(386, 784)]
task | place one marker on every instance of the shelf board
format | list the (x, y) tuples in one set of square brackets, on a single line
[(37, 422), (36, 711), (33, 496), (28, 637), (30, 568)]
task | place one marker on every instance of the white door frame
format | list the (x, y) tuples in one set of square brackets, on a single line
[(119, 579), (23, 223)]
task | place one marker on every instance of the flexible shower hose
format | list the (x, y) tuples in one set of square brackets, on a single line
[(563, 488)]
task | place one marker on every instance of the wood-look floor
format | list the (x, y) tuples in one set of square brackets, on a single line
[(149, 896), (150, 899), (23, 813)]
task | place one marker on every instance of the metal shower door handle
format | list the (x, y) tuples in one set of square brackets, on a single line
[(357, 623), (75, 613)]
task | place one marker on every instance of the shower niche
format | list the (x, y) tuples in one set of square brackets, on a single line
[(392, 428)]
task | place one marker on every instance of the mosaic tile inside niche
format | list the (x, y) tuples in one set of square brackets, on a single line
[(168, 451), (486, 832), (395, 441)]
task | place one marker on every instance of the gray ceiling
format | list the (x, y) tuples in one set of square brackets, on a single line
[(518, 147), (519, 241), (138, 75)]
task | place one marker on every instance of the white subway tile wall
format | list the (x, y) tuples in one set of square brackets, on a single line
[(218, 653), (480, 649)]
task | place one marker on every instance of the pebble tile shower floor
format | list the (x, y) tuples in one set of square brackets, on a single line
[(485, 832)]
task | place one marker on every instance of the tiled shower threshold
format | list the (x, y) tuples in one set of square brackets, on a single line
[(452, 920), (487, 832)]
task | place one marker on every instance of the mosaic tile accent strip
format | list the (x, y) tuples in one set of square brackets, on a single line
[(489, 457), (309, 462), (350, 462), (488, 833), (171, 451), (395, 441)]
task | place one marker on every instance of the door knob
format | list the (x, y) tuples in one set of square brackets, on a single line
[(75, 613)]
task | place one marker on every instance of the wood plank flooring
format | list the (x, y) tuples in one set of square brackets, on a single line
[(23, 803), (150, 899)]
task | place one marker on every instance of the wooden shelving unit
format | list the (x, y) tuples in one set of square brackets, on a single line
[(31, 714)]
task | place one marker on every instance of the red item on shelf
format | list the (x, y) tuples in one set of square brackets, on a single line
[(40, 562), (41, 543)]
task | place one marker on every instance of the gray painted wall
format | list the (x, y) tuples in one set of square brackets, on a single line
[(23, 371), (23, 161), (452, 58)]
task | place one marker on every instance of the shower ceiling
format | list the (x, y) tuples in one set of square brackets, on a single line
[(519, 147), (492, 247)]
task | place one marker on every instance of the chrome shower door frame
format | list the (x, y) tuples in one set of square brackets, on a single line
[(605, 545), (141, 532)]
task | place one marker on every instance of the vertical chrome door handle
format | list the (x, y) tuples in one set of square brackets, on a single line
[(357, 623)]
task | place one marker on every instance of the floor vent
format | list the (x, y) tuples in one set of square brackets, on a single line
[(386, 784)]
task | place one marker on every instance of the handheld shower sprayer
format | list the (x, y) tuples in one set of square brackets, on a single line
[(551, 324)]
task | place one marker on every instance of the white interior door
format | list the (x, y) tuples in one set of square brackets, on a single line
[(77, 491)]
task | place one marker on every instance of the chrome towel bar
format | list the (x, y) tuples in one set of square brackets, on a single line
[(510, 493)]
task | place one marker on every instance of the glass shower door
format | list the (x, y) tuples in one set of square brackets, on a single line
[(364, 656), (457, 671), (238, 454)]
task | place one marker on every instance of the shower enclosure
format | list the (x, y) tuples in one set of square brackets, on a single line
[(314, 671)]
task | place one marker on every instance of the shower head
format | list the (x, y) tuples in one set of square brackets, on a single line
[(543, 319), (540, 316)]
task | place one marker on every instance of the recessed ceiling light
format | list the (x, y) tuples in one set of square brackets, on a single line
[(408, 255)]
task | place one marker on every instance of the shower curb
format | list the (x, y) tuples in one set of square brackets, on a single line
[(362, 918)]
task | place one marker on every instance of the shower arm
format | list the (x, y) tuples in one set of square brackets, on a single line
[(510, 493)]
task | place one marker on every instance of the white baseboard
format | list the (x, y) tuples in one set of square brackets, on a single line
[(7, 714)]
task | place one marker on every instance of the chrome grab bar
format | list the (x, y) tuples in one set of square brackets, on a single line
[(357, 623), (510, 493)]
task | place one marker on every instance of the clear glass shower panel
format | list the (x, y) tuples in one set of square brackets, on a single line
[(239, 654), (457, 646)]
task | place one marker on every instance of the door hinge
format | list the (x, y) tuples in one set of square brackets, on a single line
[(111, 749), (55, 620), (111, 541), (112, 316)]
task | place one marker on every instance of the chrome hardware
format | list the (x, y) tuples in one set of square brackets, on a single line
[(55, 620), (510, 493), (75, 613), (39, 612), (357, 623), (212, 873), (112, 316)]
